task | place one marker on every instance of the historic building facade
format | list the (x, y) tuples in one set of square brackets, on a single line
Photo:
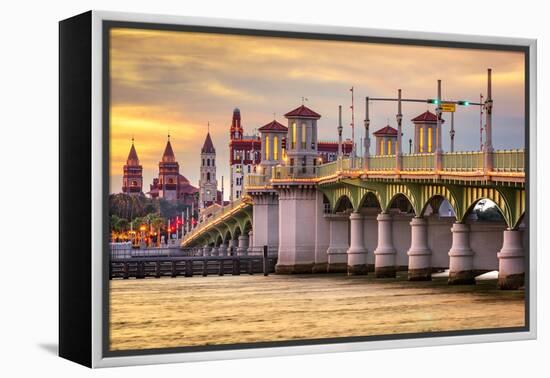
[(170, 184)]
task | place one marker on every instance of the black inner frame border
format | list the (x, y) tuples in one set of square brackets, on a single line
[(107, 25)]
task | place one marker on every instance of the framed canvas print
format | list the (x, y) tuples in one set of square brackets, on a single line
[(233, 189)]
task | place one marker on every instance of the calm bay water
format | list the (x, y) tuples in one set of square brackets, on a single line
[(173, 312)]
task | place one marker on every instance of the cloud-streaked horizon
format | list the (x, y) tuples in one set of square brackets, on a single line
[(177, 82)]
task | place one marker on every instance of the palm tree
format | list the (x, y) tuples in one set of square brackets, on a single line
[(157, 223)]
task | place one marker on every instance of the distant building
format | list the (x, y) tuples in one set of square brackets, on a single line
[(132, 179), (328, 151), (170, 184), (244, 155)]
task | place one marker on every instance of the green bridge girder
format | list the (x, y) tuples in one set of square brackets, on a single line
[(224, 230), (510, 200)]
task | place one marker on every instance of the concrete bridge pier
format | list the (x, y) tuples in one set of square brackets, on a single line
[(420, 255), (265, 220), (250, 242), (357, 253), (384, 254), (338, 244), (232, 248), (296, 230), (322, 235), (461, 262), (242, 247), (222, 250), (511, 269)]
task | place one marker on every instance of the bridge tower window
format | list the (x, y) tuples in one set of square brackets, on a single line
[(293, 135), (381, 146), (208, 176), (267, 147), (389, 148), (420, 139), (303, 136), (275, 147), (429, 139)]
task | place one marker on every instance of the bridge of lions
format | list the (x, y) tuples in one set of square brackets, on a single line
[(361, 215)]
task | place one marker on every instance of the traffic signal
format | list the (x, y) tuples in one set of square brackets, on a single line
[(463, 102), (433, 101)]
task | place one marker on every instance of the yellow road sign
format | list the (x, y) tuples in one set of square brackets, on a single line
[(449, 108)]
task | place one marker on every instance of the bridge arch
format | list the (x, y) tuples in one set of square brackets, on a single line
[(472, 196), (432, 194), (395, 190), (371, 199), (343, 203), (402, 202), (227, 236)]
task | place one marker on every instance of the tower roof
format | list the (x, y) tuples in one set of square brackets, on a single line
[(273, 126), (302, 112), (426, 117), (208, 146), (386, 131), (132, 156), (168, 155)]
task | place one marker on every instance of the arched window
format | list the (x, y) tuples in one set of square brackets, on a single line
[(389, 147), (213, 163), (429, 139), (208, 176), (275, 147), (203, 161), (266, 147), (208, 162), (134, 183), (381, 146)]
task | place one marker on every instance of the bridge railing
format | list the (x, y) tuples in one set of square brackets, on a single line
[(294, 172), (382, 163), (463, 161), (256, 179), (509, 161), (329, 169), (504, 161), (417, 162)]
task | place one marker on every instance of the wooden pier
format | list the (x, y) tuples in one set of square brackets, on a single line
[(187, 266)]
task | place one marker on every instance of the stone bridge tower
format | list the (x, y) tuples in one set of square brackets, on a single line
[(302, 140)]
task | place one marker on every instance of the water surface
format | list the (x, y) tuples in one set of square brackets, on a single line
[(175, 312)]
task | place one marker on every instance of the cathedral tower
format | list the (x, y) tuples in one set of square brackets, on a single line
[(169, 170), (208, 185), (132, 179), (236, 131)]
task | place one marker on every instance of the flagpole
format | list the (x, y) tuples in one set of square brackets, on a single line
[(352, 127)]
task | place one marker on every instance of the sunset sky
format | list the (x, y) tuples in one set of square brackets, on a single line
[(177, 82)]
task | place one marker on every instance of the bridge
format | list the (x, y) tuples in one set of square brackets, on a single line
[(378, 213)]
